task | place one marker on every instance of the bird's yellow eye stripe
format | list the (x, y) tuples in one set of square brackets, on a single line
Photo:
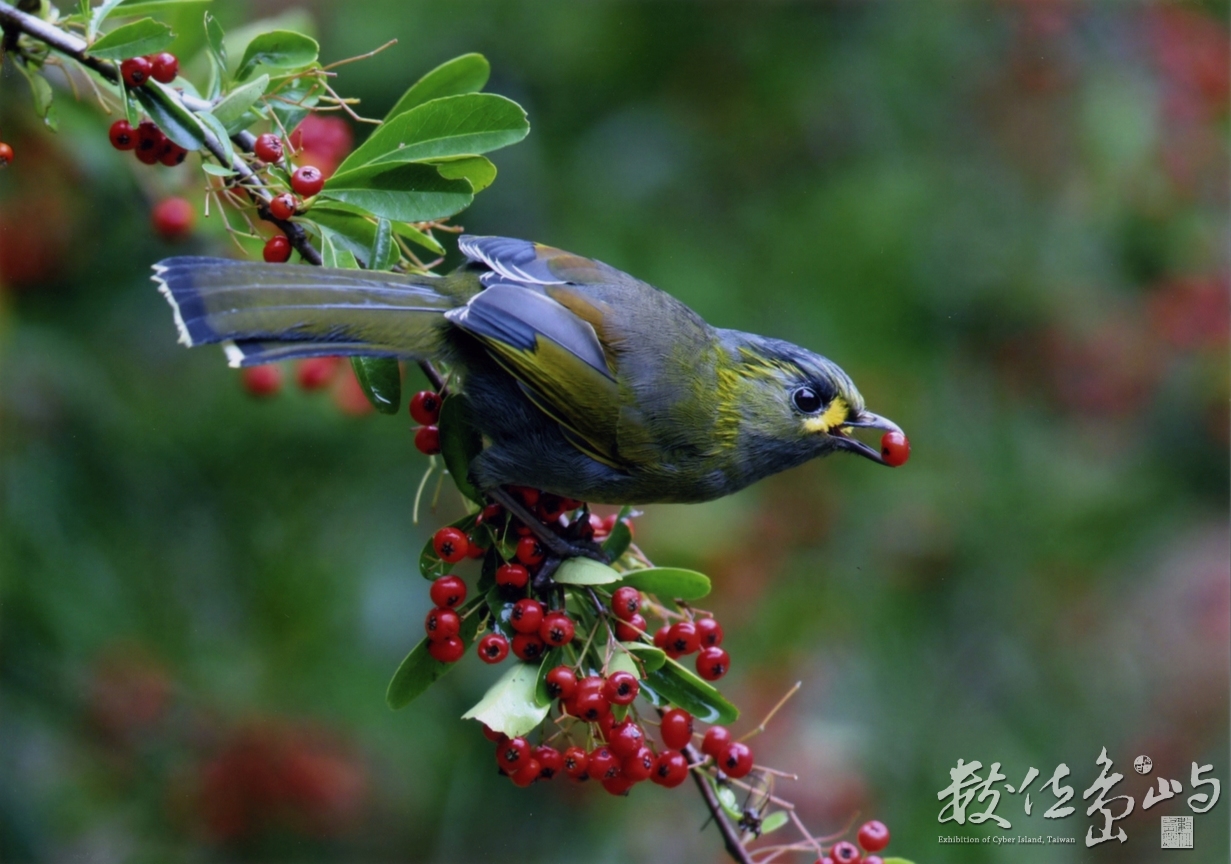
[(832, 416)]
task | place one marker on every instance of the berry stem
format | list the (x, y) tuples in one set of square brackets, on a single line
[(730, 835)]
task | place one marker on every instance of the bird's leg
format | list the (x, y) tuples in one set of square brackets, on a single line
[(552, 542)]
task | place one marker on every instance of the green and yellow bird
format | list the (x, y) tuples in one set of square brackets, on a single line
[(584, 381)]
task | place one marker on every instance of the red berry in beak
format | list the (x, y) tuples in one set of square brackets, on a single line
[(895, 449)]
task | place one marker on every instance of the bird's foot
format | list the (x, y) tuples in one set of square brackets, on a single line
[(558, 547)]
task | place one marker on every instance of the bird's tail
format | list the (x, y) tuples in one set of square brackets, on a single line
[(266, 312)]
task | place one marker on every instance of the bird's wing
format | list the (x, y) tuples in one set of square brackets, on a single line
[(548, 335)]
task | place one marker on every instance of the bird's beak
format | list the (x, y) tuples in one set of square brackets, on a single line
[(865, 420)]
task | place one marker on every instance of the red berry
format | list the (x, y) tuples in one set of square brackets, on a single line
[(441, 624), (450, 544), (682, 638), (630, 631), (489, 514), (625, 739), (551, 761), (736, 759), (277, 249), (427, 440), (625, 602), (618, 785), (527, 773), (268, 147), (676, 728), (709, 632), (526, 615), (529, 552), (448, 650), (512, 576), (425, 407), (261, 380), (164, 67), (639, 766), (315, 373), (895, 449), (844, 852), (716, 740), (171, 154), (557, 629), (561, 683), (549, 509), (6, 154), (529, 647), (493, 648), (713, 663), (605, 724), (670, 769), (123, 136), (492, 735), (173, 218), (589, 704), (283, 206), (576, 761), (149, 142), (873, 836), (135, 71), (621, 688), (603, 764), (660, 636), (513, 753), (307, 181), (528, 496), (448, 591)]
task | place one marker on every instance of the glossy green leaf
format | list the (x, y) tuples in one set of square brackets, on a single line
[(400, 193), (381, 380), (460, 443), (453, 126), (585, 571), (685, 689), (774, 821), (99, 16), (465, 74), (651, 658), (478, 170), (384, 251), (231, 110), (414, 235), (620, 538), (280, 50), (509, 705), (216, 49), (210, 122), (216, 170), (334, 252), (551, 660), (419, 670), (346, 228), (175, 121), (42, 94), (670, 582), (129, 8), (430, 565), (132, 40)]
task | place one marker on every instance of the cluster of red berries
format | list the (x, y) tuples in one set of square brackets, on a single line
[(147, 142), (873, 837), (162, 67), (312, 373), (425, 409)]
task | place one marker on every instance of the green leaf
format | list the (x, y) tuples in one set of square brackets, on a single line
[(896, 861), (453, 126), (652, 658), (283, 50), (211, 122), (334, 253), (621, 536), (670, 583), (100, 14), (585, 571), (477, 169), (430, 564), (384, 251), (175, 121), (231, 110), (414, 235), (684, 689), (551, 660), (774, 821), (465, 74), (381, 380), (726, 797), (42, 94), (296, 100), (419, 670), (460, 443), (129, 8), (216, 170), (509, 705), (400, 193), (348, 228), (132, 40), (215, 40)]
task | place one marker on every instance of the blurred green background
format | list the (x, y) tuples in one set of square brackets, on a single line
[(1007, 221)]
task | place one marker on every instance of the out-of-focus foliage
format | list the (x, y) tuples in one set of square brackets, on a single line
[(1007, 221)]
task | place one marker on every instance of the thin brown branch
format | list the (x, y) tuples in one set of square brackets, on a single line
[(730, 835)]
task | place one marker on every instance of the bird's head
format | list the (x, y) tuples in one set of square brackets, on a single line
[(801, 404)]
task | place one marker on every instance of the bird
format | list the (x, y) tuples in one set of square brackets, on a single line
[(583, 380)]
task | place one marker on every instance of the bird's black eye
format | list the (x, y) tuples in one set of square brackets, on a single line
[(806, 400)]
